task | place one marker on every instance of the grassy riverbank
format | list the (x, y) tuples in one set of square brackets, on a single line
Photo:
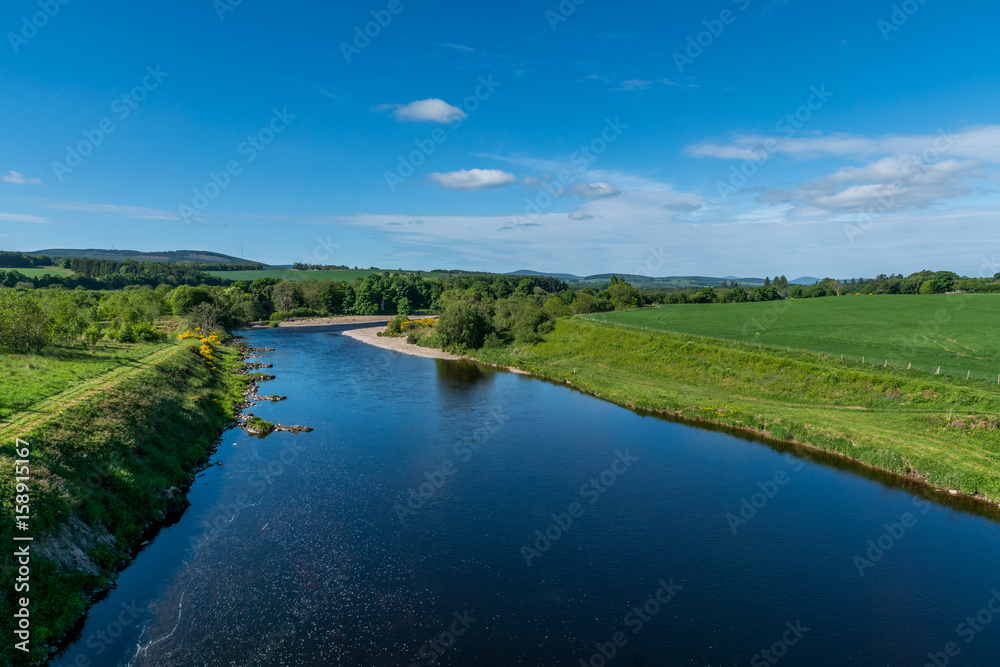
[(101, 465), (940, 429)]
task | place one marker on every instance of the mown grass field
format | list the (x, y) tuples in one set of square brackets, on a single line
[(288, 274), (956, 332), (943, 430), (43, 271), (29, 380)]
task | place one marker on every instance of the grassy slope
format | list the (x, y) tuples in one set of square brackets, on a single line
[(105, 459), (955, 332), (889, 418), (36, 384)]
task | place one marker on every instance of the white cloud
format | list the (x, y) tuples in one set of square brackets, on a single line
[(18, 217), (979, 142), (135, 212), (634, 84), (473, 179), (595, 190), (459, 47), (890, 184), (430, 110), (19, 179)]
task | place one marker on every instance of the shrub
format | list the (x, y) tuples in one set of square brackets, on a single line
[(463, 324), (492, 340), (397, 325), (23, 326)]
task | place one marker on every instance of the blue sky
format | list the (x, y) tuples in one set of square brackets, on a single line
[(731, 137)]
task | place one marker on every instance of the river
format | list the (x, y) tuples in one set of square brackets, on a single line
[(446, 513)]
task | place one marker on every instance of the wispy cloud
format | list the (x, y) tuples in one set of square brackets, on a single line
[(634, 84), (595, 190), (458, 47), (474, 179), (134, 212), (979, 142), (18, 178), (430, 110), (18, 217), (891, 184)]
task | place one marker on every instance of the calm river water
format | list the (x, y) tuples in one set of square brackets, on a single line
[(445, 513)]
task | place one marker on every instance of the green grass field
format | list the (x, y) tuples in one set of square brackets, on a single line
[(43, 271), (956, 332), (30, 381), (288, 274), (944, 430)]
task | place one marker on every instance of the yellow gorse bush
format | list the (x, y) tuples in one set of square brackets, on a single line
[(410, 325), (208, 345)]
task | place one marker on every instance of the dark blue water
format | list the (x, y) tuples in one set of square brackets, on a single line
[(555, 529)]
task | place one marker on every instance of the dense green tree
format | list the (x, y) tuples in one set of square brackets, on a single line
[(464, 324), (23, 325)]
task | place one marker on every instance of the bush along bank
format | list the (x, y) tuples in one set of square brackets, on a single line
[(106, 472)]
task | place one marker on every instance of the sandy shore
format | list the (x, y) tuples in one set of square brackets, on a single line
[(328, 321), (370, 335)]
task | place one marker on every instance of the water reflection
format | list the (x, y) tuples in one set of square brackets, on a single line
[(461, 375)]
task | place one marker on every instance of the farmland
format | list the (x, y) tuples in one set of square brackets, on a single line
[(43, 271), (955, 332)]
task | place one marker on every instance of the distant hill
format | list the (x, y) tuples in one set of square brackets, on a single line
[(568, 277), (200, 256), (806, 280)]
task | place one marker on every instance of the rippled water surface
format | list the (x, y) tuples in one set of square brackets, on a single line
[(555, 528)]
